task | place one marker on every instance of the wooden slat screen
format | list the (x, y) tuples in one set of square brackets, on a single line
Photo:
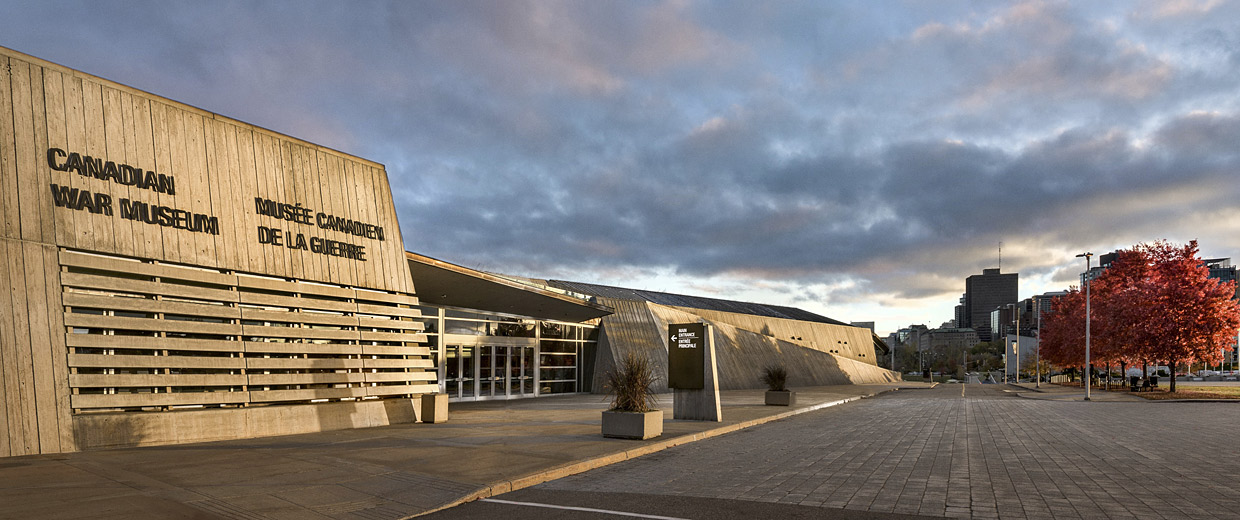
[(144, 335)]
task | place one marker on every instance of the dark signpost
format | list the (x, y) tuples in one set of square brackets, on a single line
[(692, 372), (686, 356)]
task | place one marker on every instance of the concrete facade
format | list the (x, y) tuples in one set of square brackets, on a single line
[(171, 275), (814, 353)]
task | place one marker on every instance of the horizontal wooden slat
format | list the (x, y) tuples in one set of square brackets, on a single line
[(150, 324), (161, 399), (392, 350), (107, 283), (401, 389), (397, 363), (301, 363), (150, 380), (348, 307), (105, 361), (259, 347), (372, 296), (305, 379), (250, 282), (377, 323), (298, 332), (96, 301), (387, 350), (289, 301), (368, 335), (151, 343), (380, 310), (263, 396), (315, 318), (164, 271), (380, 377)]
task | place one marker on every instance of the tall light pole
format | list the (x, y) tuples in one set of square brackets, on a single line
[(1087, 256)]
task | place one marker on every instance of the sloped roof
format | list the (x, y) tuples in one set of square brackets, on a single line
[(441, 283), (693, 302)]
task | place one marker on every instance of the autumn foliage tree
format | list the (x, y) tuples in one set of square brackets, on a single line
[(1062, 333), (1155, 302), (1188, 314)]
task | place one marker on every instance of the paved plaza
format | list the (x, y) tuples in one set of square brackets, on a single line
[(907, 451), (392, 472), (976, 451)]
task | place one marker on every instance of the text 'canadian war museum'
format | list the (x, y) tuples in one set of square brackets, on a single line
[(171, 275)]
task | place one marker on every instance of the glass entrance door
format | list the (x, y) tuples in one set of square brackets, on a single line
[(486, 371), (489, 372), (460, 371), (520, 371)]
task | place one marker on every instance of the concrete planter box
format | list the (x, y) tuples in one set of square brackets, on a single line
[(434, 408), (633, 425), (781, 397)]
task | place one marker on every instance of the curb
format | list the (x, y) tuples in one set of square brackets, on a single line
[(558, 472)]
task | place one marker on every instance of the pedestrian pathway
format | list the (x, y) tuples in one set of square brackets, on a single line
[(959, 451), (392, 472), (1054, 392)]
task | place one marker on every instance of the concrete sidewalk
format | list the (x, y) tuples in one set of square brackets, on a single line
[(1054, 392), (391, 472)]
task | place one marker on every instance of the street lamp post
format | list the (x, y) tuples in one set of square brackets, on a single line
[(1087, 256)]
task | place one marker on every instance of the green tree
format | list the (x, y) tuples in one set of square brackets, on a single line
[(986, 356)]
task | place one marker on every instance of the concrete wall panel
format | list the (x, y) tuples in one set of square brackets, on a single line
[(742, 353), (76, 155)]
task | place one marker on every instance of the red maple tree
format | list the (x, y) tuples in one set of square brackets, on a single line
[(1062, 333), (1155, 302), (1189, 315)]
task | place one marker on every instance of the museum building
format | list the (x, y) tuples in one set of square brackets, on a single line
[(171, 275)]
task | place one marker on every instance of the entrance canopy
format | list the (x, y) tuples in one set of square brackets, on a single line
[(442, 283)]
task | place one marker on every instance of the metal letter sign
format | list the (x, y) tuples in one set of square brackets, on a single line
[(686, 355)]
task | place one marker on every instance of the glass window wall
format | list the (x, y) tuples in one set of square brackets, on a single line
[(477, 367)]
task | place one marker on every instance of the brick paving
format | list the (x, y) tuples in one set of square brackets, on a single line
[(986, 454)]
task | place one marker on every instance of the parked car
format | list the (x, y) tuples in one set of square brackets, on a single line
[(1152, 370)]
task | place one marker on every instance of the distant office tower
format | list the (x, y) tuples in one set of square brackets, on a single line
[(984, 293), (863, 324), (1222, 270), (959, 316)]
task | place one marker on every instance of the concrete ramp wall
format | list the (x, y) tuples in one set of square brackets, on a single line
[(742, 353)]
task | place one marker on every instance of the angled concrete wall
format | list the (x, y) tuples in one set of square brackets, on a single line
[(855, 343), (742, 353)]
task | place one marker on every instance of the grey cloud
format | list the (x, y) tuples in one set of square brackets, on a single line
[(791, 143)]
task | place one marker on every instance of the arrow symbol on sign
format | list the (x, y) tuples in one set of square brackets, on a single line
[(673, 337)]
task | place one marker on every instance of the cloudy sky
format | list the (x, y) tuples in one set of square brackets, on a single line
[(856, 159)]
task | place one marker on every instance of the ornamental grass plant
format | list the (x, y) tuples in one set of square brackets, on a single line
[(775, 377), (629, 384)]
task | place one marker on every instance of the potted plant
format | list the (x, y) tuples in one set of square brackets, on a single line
[(775, 377), (632, 414)]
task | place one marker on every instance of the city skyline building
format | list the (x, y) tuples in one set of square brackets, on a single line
[(984, 293)]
